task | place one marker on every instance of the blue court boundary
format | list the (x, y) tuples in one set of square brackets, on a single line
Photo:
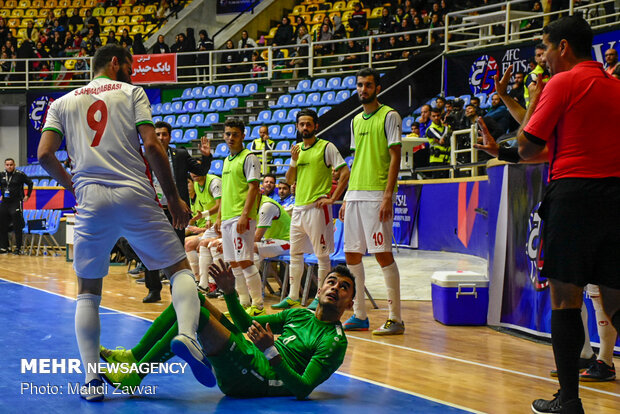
[(39, 324)]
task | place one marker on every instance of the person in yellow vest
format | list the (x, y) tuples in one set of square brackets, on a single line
[(263, 142), (273, 229), (539, 71), (208, 190), (236, 220), (367, 210), (312, 225), (438, 136)]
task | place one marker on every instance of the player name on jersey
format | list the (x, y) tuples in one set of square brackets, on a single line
[(95, 91)]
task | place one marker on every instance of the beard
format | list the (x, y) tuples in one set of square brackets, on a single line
[(369, 99), (307, 134), (123, 77)]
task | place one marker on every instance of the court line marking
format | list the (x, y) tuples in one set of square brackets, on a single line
[(380, 384), (479, 364)]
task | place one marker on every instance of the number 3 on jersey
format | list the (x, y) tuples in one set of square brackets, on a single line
[(238, 242), (97, 126)]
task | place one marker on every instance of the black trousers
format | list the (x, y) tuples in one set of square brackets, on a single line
[(11, 212), (151, 277)]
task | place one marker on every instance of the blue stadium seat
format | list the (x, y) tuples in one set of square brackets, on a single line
[(274, 131), (61, 155), (187, 94), (313, 99), (230, 104), (247, 132), (190, 135), (235, 90), (53, 183), (407, 121), (171, 119), (166, 108), (35, 182), (156, 109), (217, 105), (208, 91), (333, 84), (466, 99), (328, 98), (211, 119), (348, 82), (182, 121), (319, 84), (277, 162), (177, 107), (157, 119), (189, 106), (263, 117), (176, 136), (342, 96), (349, 161), (292, 115), (278, 117), (221, 91), (283, 168), (250, 89), (284, 101), (249, 146), (323, 110), (197, 92), (216, 167), (304, 85), (254, 133), (298, 100), (196, 120), (202, 105), (283, 146), (288, 131), (221, 151)]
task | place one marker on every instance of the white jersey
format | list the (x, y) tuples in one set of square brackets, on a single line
[(99, 122)]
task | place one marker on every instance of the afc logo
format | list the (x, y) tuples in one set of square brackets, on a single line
[(38, 111), (534, 250), (481, 75)]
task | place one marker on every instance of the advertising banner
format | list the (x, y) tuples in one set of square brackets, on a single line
[(232, 6), (157, 68), (53, 199), (406, 213)]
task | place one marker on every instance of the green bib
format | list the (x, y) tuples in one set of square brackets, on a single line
[(235, 187), (314, 177), (370, 168), (280, 227), (204, 199)]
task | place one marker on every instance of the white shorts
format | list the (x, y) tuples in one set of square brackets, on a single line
[(272, 248), (210, 233), (237, 247), (312, 230), (363, 230), (104, 214)]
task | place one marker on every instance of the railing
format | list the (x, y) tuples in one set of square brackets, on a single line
[(472, 134)]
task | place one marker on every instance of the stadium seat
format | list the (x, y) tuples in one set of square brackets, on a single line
[(176, 136), (189, 106), (221, 151), (187, 94), (246, 133), (313, 99), (196, 120), (216, 167), (249, 89), (190, 135), (288, 131), (277, 162), (304, 85), (235, 90), (196, 92), (298, 100), (274, 131), (323, 110), (249, 146), (210, 119), (254, 133), (333, 84), (177, 107), (292, 115), (171, 119), (278, 117), (283, 102), (221, 91), (348, 82), (43, 182), (217, 105), (166, 108), (182, 121), (328, 98), (202, 105), (284, 146), (407, 121), (342, 96), (349, 161), (319, 84), (230, 104), (263, 117), (466, 99), (156, 109), (208, 91)]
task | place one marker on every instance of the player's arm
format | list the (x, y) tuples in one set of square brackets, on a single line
[(49, 144), (516, 110), (158, 160), (531, 147), (291, 173), (28, 181), (202, 167), (393, 125)]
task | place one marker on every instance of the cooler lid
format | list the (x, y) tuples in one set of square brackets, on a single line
[(455, 278)]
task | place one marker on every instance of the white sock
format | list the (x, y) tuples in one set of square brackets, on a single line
[(87, 331), (185, 301), (241, 287), (215, 255), (296, 272), (192, 257), (323, 271), (359, 304), (255, 286), (204, 261), (606, 332), (586, 351), (392, 283)]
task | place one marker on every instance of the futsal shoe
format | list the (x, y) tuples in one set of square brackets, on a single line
[(584, 363), (312, 306), (390, 327), (191, 352), (541, 406), (287, 303), (118, 355), (254, 311), (355, 324), (598, 372), (93, 391)]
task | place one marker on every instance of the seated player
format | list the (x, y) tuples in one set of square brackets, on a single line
[(283, 366)]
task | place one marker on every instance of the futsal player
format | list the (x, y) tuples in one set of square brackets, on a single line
[(101, 123), (367, 210)]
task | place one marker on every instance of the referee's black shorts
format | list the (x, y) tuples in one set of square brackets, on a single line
[(581, 231)]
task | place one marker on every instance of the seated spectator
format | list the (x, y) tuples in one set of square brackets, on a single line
[(138, 47), (415, 130), (418, 23), (229, 58), (352, 53), (82, 65), (325, 35), (44, 72), (425, 119), (440, 103), (475, 101), (471, 118), (611, 59), (40, 54), (63, 20), (285, 196), (499, 113), (420, 40), (258, 65), (268, 187), (300, 23), (517, 91), (407, 41), (284, 33), (329, 23), (161, 46), (405, 26), (436, 11), (390, 54), (57, 47), (439, 136), (299, 59), (340, 32), (125, 38), (357, 21), (245, 40), (436, 22), (70, 46), (90, 22), (90, 42), (534, 23), (112, 37), (302, 34), (400, 15), (387, 23)]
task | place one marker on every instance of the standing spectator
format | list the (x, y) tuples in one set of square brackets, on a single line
[(258, 65), (246, 40), (425, 119), (11, 195), (262, 142), (611, 58), (475, 101), (299, 59), (183, 60), (284, 33), (75, 20), (63, 20), (357, 21), (539, 71), (202, 59), (438, 136), (229, 58), (387, 23), (161, 46), (517, 90), (340, 32), (3, 30), (91, 22), (138, 47), (325, 35)]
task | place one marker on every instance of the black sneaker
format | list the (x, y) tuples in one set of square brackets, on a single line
[(541, 406), (137, 270), (584, 363), (598, 372), (217, 293), (18, 252), (140, 281)]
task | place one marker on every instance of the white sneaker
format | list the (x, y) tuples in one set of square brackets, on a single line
[(191, 352), (390, 327)]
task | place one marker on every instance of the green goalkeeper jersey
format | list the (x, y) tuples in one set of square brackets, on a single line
[(311, 350)]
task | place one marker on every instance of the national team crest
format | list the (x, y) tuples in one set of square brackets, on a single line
[(535, 251), (38, 111), (481, 75)]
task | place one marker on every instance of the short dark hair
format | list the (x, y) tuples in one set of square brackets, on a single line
[(440, 98), (235, 123), (285, 183), (416, 124), (104, 55), (369, 72), (10, 159), (342, 270), (270, 175), (520, 72), (472, 105), (436, 110), (575, 30), (307, 112), (164, 124), (541, 46), (474, 98)]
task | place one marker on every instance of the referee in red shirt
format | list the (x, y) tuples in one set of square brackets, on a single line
[(581, 208)]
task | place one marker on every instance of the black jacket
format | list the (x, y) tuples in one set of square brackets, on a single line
[(182, 165), (15, 184)]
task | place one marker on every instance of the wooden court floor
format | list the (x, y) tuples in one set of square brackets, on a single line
[(473, 367)]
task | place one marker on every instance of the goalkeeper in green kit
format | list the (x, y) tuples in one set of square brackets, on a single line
[(310, 347)]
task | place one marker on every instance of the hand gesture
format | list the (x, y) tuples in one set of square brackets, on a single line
[(261, 337), (341, 211), (223, 276), (324, 201), (488, 142), (535, 88), (243, 224), (205, 146), (501, 86), (295, 152), (180, 212)]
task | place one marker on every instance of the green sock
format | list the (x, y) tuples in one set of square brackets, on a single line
[(160, 352), (156, 331)]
